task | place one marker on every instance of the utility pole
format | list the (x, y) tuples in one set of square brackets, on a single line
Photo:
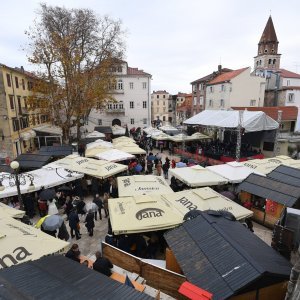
[(276, 149)]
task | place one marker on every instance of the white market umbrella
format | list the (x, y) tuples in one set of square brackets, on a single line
[(95, 134), (114, 155)]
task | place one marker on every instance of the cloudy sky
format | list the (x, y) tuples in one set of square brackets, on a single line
[(177, 41)]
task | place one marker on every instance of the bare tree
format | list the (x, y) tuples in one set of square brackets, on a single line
[(75, 51)]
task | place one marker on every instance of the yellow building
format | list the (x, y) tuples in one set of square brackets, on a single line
[(16, 119)]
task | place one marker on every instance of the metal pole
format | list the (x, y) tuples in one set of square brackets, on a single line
[(276, 149), (239, 136), (18, 189)]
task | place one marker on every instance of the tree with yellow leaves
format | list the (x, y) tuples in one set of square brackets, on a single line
[(75, 51)]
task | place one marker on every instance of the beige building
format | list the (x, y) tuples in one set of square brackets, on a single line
[(161, 103), (235, 88), (16, 120)]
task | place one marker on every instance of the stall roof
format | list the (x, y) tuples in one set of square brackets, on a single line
[(252, 120), (271, 189), (114, 155), (103, 129), (62, 150), (286, 174), (58, 277), (49, 129), (197, 176), (233, 171), (33, 161), (223, 257)]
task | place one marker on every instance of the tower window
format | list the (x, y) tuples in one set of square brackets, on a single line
[(260, 62), (274, 61), (272, 50), (266, 50), (257, 63), (270, 61)]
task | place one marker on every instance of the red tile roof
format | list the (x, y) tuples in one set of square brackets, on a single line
[(288, 74), (136, 71), (227, 76), (289, 113), (211, 76)]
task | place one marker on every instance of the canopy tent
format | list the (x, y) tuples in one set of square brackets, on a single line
[(130, 148), (142, 185), (118, 130), (114, 155), (50, 129), (285, 160), (150, 130), (200, 136), (89, 166), (197, 176), (20, 242), (179, 138), (95, 134), (46, 177), (99, 143), (252, 120), (161, 137), (33, 161), (234, 172), (205, 199), (142, 213), (93, 152), (123, 139), (169, 129), (7, 211)]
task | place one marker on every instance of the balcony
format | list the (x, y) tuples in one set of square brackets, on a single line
[(115, 110)]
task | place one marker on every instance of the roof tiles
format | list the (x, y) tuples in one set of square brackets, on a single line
[(227, 76)]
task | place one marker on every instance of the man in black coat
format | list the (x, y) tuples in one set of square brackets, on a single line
[(102, 264), (74, 224)]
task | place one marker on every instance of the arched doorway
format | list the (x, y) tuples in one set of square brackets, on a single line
[(116, 122)]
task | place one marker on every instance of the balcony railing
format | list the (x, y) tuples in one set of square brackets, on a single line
[(115, 110)]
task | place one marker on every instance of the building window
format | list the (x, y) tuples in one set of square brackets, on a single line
[(145, 121), (201, 100), (33, 120), (288, 82), (131, 85), (257, 63), (144, 104), (195, 101), (121, 106), (120, 69), (131, 104), (144, 85), (38, 119), (17, 82), (8, 80), (223, 88), (222, 103), (211, 89), (164, 118), (157, 103), (120, 84), (132, 121), (200, 86), (100, 122), (11, 102), (109, 106), (291, 97), (157, 96), (194, 87), (270, 61), (29, 85), (266, 50), (252, 102), (260, 62), (115, 106), (164, 96), (210, 103), (164, 103), (274, 61), (16, 125), (23, 84), (19, 104), (25, 102)]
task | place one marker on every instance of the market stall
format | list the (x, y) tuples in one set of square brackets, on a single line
[(114, 155)]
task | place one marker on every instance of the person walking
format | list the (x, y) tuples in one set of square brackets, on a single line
[(97, 200), (105, 204), (166, 167), (89, 222), (102, 265), (74, 224)]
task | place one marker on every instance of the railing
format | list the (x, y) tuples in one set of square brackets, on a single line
[(115, 110)]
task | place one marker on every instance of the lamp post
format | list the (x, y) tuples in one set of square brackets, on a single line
[(17, 180)]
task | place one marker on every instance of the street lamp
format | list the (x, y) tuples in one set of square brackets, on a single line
[(17, 179)]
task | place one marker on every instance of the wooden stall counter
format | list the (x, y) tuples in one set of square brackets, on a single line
[(121, 278)]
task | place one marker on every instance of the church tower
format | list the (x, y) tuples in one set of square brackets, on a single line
[(267, 54)]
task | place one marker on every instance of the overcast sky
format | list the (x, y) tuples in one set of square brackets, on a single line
[(177, 41)]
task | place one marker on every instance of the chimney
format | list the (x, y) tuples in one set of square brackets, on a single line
[(22, 69), (219, 68)]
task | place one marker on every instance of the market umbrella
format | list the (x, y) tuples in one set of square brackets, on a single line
[(52, 223), (47, 194), (64, 188)]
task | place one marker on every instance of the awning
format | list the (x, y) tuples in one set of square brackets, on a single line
[(142, 185), (205, 199), (252, 120), (33, 161), (123, 139), (118, 130), (104, 129), (20, 242), (89, 166), (197, 176), (51, 129), (99, 143), (7, 211), (130, 148), (161, 137), (114, 155), (234, 172), (56, 151), (27, 135), (141, 214)]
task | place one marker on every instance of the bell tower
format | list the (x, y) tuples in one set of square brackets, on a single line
[(267, 57)]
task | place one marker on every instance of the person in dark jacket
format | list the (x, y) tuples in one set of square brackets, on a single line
[(166, 167), (74, 253), (63, 233), (89, 222), (97, 200), (102, 264), (68, 206), (74, 224)]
